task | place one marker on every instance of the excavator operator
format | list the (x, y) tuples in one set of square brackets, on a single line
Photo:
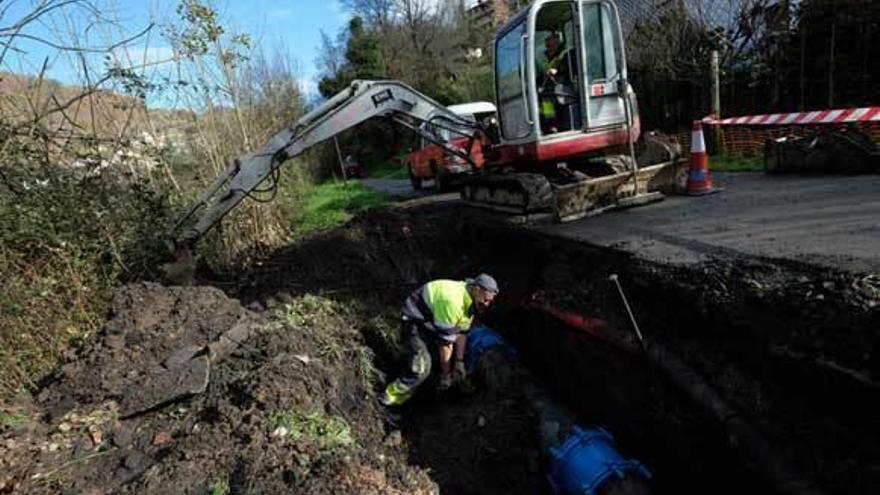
[(435, 319), (556, 86)]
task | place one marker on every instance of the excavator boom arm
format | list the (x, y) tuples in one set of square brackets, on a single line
[(359, 102)]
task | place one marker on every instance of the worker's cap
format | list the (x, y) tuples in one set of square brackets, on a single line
[(483, 281)]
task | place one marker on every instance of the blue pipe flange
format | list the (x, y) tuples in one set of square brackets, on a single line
[(481, 339), (587, 460)]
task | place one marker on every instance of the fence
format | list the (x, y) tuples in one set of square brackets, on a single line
[(747, 135)]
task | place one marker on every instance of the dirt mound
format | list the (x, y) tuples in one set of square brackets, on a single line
[(290, 409), (150, 327)]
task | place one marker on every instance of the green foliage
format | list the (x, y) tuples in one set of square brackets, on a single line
[(11, 420), (201, 29), (333, 203), (395, 168), (92, 214), (219, 487), (736, 163), (67, 238), (318, 435), (443, 53), (364, 52), (200, 34), (303, 311), (327, 433), (363, 59), (132, 82)]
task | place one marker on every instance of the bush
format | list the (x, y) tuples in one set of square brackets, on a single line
[(67, 238), (88, 194)]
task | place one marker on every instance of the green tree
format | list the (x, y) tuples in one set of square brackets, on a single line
[(364, 51), (363, 59)]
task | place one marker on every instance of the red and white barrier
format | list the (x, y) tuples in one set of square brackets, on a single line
[(838, 116)]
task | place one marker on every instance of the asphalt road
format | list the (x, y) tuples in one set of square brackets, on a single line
[(831, 221), (398, 188)]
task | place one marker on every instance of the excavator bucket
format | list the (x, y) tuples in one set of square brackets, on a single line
[(182, 270), (661, 171), (574, 201)]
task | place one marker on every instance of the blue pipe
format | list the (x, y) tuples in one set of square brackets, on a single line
[(482, 339), (581, 461), (587, 461)]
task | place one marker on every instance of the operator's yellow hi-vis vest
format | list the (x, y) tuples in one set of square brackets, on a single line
[(548, 108)]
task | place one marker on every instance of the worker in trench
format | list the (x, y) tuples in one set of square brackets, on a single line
[(435, 320), (557, 86)]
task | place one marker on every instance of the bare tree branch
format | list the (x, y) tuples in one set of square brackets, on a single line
[(78, 49)]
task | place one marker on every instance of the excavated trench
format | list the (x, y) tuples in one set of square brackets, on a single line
[(756, 377)]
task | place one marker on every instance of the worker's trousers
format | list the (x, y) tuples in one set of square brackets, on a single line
[(421, 351)]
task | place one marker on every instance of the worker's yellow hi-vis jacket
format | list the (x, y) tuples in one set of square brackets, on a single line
[(444, 307), (562, 63)]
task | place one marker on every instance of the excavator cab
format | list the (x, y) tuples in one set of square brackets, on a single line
[(560, 81)]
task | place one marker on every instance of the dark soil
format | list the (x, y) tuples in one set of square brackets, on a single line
[(792, 347), (308, 358)]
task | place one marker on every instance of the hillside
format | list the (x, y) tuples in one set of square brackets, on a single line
[(63, 110)]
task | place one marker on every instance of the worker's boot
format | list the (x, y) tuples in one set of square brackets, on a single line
[(392, 399), (395, 394)]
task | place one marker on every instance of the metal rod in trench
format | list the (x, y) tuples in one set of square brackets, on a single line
[(613, 277)]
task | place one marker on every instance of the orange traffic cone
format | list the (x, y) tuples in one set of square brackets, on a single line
[(699, 178)]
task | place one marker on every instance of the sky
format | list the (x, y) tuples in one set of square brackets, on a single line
[(293, 26)]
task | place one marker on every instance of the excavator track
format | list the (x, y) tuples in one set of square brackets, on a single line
[(510, 192), (573, 195)]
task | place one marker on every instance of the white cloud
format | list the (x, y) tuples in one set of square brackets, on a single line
[(343, 14), (140, 55), (308, 86)]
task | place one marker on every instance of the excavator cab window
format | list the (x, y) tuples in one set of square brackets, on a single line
[(510, 82), (604, 63), (557, 71)]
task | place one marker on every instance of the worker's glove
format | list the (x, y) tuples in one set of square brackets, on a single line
[(445, 382), (459, 373)]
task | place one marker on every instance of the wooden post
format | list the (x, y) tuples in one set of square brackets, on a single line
[(339, 158), (716, 98)]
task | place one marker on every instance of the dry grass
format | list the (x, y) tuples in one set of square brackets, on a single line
[(70, 235), (46, 304)]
